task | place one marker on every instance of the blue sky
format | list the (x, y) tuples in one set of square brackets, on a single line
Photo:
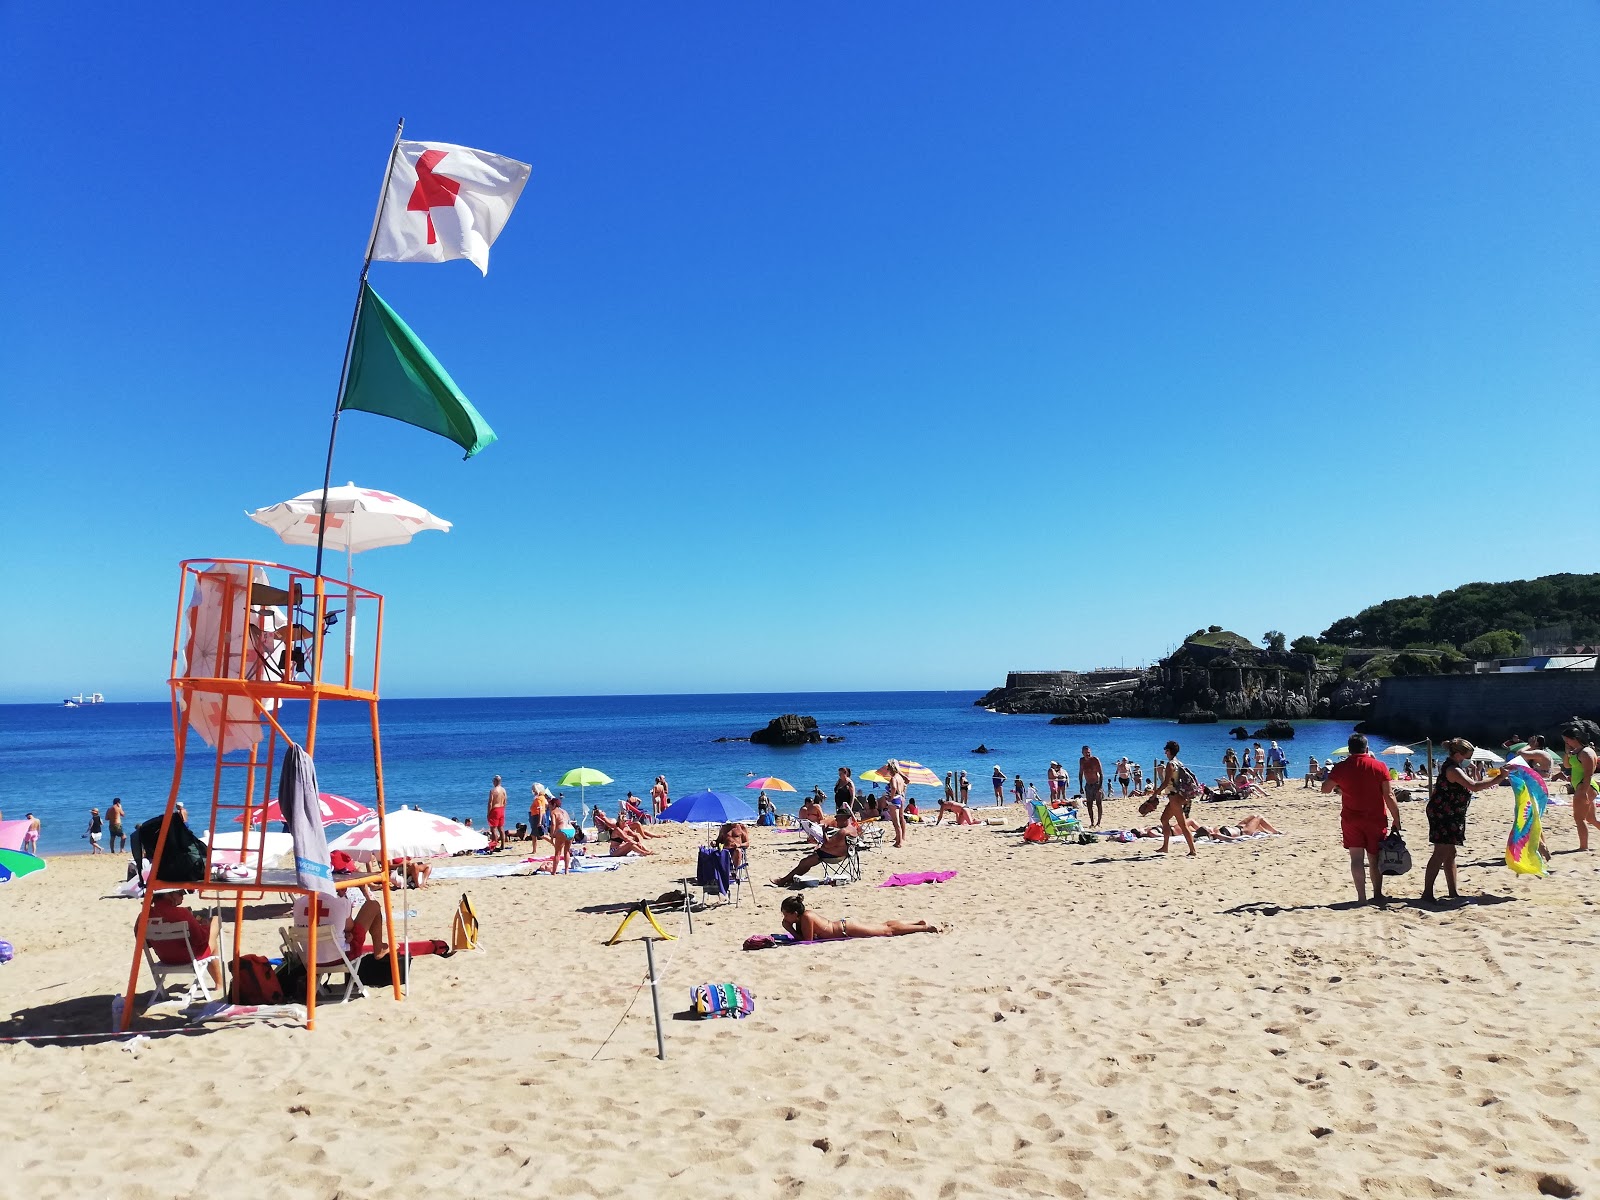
[(831, 346)]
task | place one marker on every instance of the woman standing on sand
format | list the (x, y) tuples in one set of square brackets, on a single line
[(1174, 811), (895, 781), (998, 778), (1580, 736), (1447, 815), (561, 834)]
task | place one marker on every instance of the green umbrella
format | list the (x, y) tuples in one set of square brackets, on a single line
[(584, 778), (14, 864)]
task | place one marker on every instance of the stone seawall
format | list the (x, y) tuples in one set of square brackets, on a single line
[(1485, 709)]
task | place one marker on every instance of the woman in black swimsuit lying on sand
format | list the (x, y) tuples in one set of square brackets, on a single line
[(808, 927)]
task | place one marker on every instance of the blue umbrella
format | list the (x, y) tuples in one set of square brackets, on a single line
[(708, 806)]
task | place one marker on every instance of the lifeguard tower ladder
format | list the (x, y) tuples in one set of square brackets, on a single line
[(251, 639)]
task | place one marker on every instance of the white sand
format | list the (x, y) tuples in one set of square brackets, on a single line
[(1097, 1021)]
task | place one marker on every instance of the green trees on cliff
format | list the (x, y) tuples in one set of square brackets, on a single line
[(1482, 619)]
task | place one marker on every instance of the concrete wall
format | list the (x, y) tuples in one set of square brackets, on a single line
[(1485, 709), (1041, 679)]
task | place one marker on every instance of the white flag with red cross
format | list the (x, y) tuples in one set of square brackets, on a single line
[(445, 202)]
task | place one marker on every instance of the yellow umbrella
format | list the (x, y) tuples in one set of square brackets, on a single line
[(871, 776)]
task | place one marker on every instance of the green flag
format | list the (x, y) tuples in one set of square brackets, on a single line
[(393, 374)]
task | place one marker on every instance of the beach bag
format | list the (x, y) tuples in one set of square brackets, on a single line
[(376, 972), (709, 1000), (1184, 785), (1393, 857), (1035, 833), (183, 859), (254, 982), (756, 941), (6, 952)]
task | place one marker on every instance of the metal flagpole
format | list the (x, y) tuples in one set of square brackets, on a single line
[(350, 341)]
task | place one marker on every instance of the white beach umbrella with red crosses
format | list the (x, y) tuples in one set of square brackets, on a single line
[(358, 519)]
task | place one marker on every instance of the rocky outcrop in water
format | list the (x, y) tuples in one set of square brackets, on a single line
[(1087, 718), (788, 730)]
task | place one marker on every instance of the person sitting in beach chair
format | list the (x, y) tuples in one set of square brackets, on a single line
[(838, 847), (1245, 783), (634, 812), (734, 837), (622, 840), (177, 941), (808, 927)]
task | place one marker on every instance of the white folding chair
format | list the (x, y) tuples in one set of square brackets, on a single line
[(194, 975), (335, 962)]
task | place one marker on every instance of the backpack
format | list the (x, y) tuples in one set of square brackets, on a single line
[(183, 859), (721, 1000), (1184, 785), (254, 982), (1035, 833), (1393, 857)]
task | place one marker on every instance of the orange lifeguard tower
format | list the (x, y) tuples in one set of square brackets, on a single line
[(250, 640)]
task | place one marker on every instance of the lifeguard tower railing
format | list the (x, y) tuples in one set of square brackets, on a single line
[(251, 638)]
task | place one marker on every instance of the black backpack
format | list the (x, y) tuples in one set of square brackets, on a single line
[(184, 857)]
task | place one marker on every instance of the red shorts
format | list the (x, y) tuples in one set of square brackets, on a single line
[(497, 820), (1361, 836)]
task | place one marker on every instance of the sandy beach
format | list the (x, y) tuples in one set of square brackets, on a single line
[(1094, 1020)]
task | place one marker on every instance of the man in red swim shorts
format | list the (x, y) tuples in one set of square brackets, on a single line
[(497, 816), (1365, 810)]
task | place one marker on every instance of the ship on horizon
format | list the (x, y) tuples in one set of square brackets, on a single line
[(80, 700)]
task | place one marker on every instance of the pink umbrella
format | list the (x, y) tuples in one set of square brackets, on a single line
[(336, 810), (12, 833)]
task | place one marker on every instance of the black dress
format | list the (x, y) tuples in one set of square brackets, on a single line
[(1447, 812)]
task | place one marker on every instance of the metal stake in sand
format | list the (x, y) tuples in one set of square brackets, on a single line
[(655, 996)]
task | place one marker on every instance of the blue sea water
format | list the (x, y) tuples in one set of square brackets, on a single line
[(441, 754)]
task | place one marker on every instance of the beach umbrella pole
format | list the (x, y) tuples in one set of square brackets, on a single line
[(655, 996)]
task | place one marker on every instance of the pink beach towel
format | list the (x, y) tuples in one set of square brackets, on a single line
[(916, 877)]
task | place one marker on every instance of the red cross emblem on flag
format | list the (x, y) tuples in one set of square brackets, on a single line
[(432, 191)]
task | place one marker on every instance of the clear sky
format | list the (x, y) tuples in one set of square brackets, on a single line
[(831, 345)]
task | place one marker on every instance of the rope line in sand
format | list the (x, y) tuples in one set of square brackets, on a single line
[(644, 980)]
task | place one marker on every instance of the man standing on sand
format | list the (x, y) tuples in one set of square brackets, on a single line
[(1366, 806), (30, 838), (119, 840), (1277, 765), (497, 816), (1092, 782)]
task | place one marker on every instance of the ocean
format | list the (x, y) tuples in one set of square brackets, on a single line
[(442, 754)]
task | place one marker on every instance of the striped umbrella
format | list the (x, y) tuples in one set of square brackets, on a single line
[(771, 783), (14, 864)]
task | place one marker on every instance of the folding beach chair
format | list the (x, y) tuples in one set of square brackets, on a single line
[(332, 965), (195, 975), (1056, 826), (846, 869)]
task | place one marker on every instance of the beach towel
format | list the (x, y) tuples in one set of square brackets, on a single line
[(302, 813), (1527, 829), (714, 870), (489, 870), (912, 879)]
